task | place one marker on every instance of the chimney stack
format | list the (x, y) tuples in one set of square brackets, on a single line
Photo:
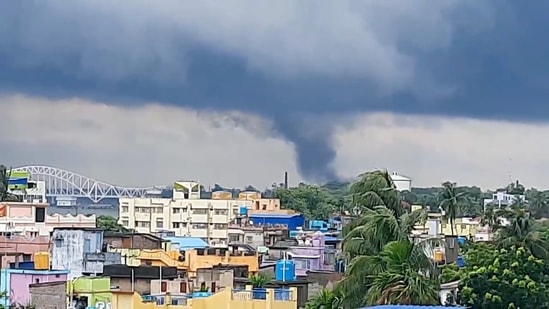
[(285, 180)]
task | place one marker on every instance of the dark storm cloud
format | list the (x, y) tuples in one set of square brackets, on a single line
[(285, 60)]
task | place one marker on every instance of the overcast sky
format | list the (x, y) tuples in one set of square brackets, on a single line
[(238, 92)]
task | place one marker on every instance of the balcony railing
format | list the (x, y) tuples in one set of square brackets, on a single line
[(262, 294)]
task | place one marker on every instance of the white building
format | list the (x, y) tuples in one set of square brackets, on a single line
[(401, 182), (186, 214), (503, 199)]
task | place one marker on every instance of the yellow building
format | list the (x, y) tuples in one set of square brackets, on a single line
[(226, 299), (437, 224), (192, 260)]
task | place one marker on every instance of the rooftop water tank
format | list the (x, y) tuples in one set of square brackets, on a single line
[(243, 211), (201, 294), (285, 270), (460, 261)]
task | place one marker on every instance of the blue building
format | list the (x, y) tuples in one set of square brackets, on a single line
[(293, 221)]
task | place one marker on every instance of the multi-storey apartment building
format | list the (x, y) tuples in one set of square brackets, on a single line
[(186, 214)]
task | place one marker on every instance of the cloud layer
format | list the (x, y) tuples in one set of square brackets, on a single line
[(282, 60), (154, 144), (295, 71)]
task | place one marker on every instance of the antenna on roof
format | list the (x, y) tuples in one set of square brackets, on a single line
[(510, 169)]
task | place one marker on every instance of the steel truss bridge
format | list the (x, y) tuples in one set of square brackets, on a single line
[(64, 183)]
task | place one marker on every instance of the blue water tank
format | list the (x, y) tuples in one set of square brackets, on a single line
[(243, 211), (201, 294), (285, 270), (460, 261)]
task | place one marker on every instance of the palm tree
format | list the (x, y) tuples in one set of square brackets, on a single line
[(375, 189), (521, 232), (490, 218), (400, 274), (325, 299), (537, 202), (383, 220), (450, 200)]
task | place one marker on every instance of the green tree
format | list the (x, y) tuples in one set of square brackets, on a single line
[(109, 223), (314, 202), (5, 195), (400, 274), (382, 221), (325, 299), (451, 198), (502, 279), (537, 203), (375, 189), (521, 232)]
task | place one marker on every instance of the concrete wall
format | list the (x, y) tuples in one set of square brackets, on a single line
[(48, 295), (23, 245), (69, 249), (16, 283), (132, 241), (141, 286)]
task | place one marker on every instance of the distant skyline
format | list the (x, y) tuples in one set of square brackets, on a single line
[(238, 92)]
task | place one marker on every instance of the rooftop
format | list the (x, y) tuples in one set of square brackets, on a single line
[(187, 242), (267, 215)]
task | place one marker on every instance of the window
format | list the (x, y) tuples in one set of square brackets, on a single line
[(124, 208), (200, 226), (233, 237), (158, 210), (200, 211), (176, 210), (175, 225), (142, 224), (221, 226), (159, 223), (163, 286), (221, 212), (142, 209), (87, 245), (125, 222), (235, 211), (40, 214), (463, 226), (249, 238), (302, 264), (264, 207), (183, 287), (36, 280)]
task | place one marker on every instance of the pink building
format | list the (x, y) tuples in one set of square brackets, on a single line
[(21, 248), (16, 283), (32, 219), (310, 254)]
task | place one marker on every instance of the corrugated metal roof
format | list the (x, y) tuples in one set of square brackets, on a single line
[(411, 307), (188, 242)]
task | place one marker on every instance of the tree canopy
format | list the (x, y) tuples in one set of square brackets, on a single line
[(504, 278), (109, 223)]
